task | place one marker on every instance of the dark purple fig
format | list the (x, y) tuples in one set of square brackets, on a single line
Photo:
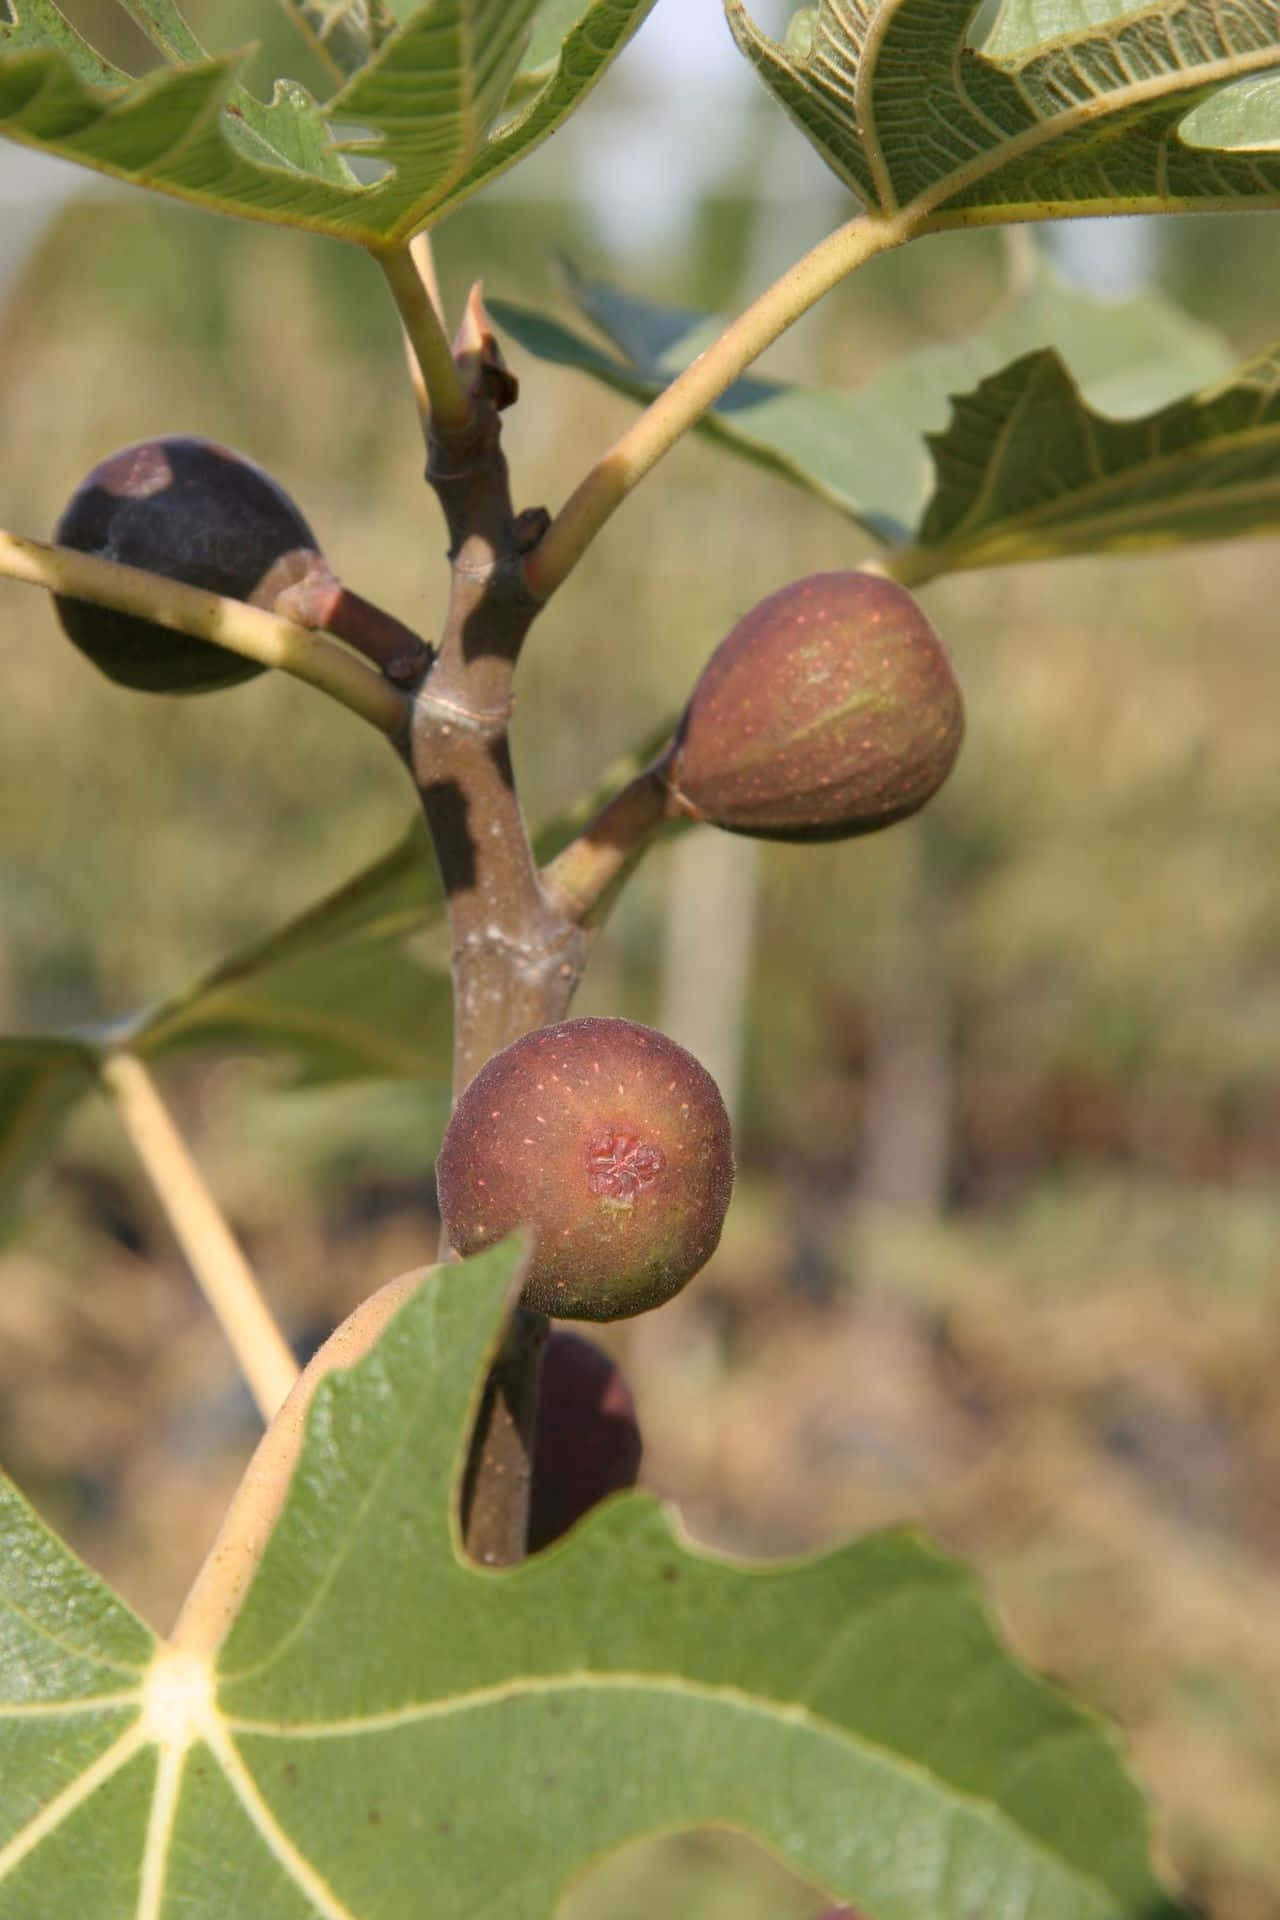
[(829, 710), (586, 1442), (612, 1144), (194, 512)]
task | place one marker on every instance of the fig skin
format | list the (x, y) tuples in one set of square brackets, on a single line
[(612, 1144), (195, 512), (586, 1440), (830, 710)]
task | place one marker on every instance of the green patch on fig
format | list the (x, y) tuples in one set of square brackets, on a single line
[(194, 512), (830, 710), (608, 1140)]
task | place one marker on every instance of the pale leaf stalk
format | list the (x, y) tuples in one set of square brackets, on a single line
[(223, 1580), (220, 1268), (440, 392), (423, 257), (681, 405), (422, 254), (234, 624)]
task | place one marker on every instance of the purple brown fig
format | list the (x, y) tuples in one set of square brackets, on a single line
[(829, 710), (586, 1442), (192, 511), (612, 1144)]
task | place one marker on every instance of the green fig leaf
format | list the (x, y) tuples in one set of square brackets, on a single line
[(352, 1720), (1026, 470), (551, 84), (342, 989), (165, 27), (867, 453), (1060, 111), (556, 20), (41, 25), (41, 1080), (424, 101)]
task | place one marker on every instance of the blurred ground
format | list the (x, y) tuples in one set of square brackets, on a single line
[(1044, 1328)]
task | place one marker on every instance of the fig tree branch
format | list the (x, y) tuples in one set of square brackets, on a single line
[(221, 1270), (499, 1474), (516, 959), (683, 403), (234, 624)]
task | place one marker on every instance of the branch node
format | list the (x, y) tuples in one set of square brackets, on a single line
[(530, 525), (479, 358)]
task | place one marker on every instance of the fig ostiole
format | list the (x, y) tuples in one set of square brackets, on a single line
[(830, 710), (192, 511), (612, 1144)]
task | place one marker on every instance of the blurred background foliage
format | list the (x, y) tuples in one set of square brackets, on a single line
[(1005, 1255)]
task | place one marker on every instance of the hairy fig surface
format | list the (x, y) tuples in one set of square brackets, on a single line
[(586, 1440), (609, 1141), (192, 511), (830, 710)]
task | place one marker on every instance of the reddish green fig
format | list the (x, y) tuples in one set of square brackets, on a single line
[(609, 1141), (829, 710), (586, 1441), (192, 511)]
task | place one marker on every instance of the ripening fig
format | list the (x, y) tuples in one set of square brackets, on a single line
[(829, 710), (612, 1144), (586, 1441), (192, 511)]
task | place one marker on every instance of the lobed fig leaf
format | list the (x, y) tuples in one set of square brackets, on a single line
[(353, 1720), (609, 1141), (830, 710), (192, 511)]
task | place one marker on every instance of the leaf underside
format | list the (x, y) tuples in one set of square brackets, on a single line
[(440, 102), (1022, 464), (1165, 107), (1061, 112), (1026, 471), (386, 1730)]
